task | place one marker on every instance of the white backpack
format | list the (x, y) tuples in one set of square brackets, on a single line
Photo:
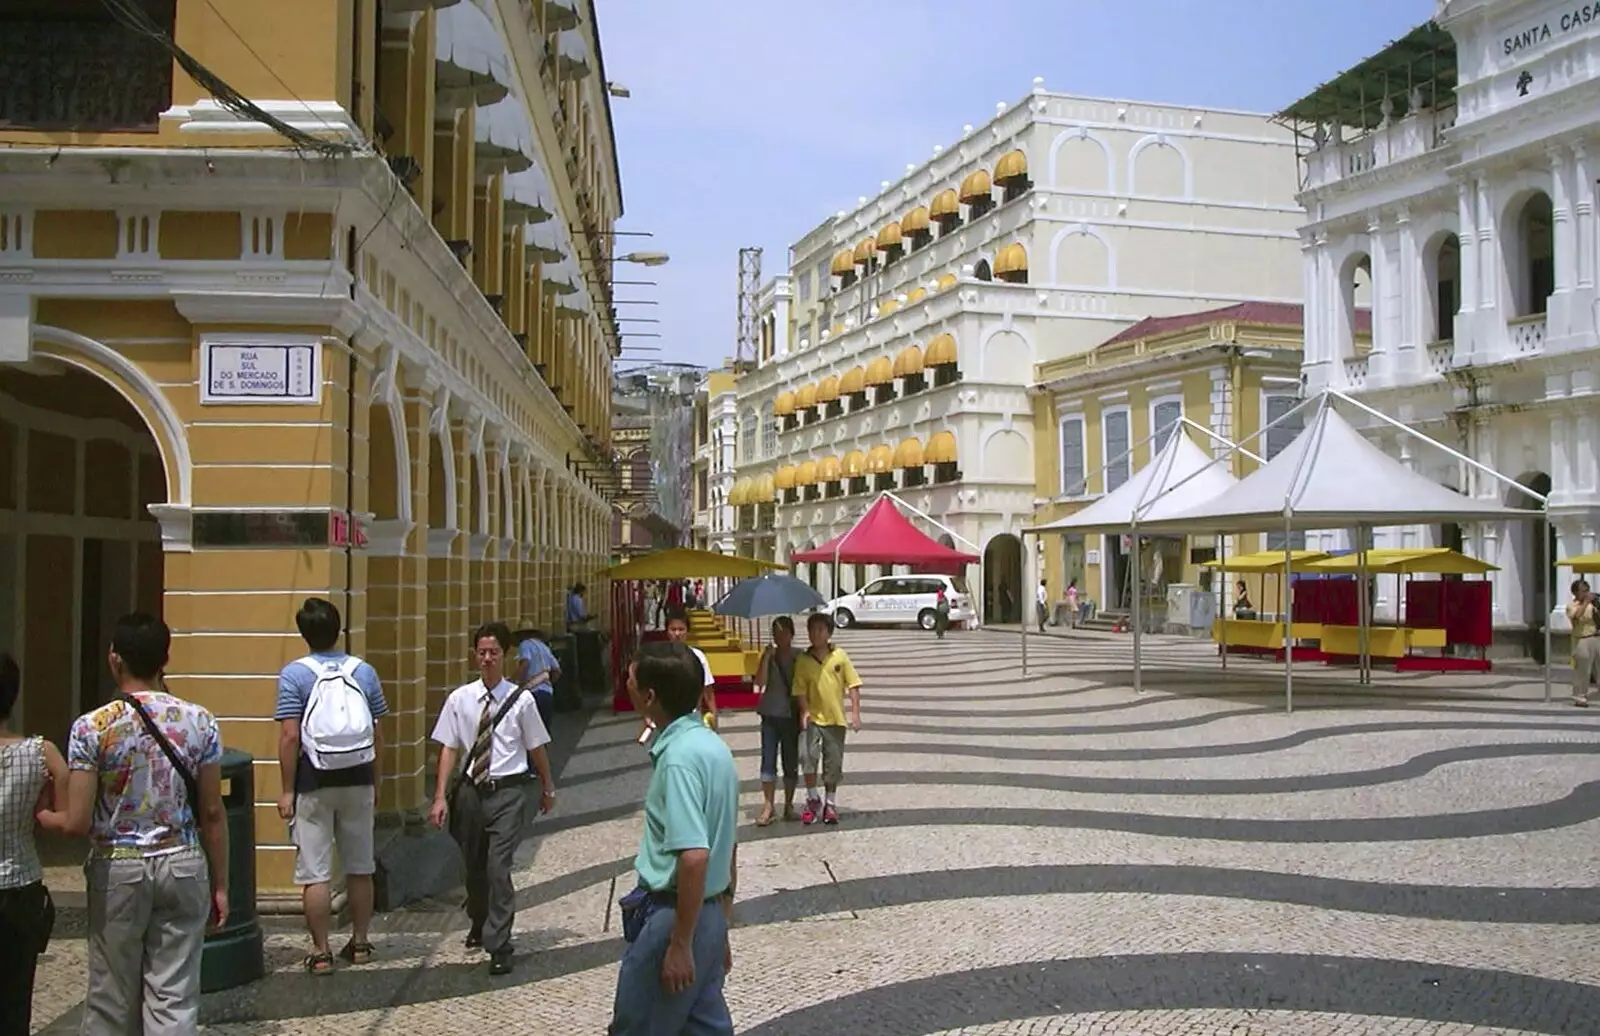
[(336, 731)]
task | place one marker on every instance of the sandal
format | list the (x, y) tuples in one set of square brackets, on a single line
[(765, 818), (356, 952), (789, 815), (318, 964)]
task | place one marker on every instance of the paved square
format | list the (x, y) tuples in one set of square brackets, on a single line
[(1049, 853)]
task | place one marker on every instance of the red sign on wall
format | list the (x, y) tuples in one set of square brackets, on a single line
[(345, 530)]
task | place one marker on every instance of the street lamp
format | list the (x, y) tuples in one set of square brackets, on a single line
[(644, 258)]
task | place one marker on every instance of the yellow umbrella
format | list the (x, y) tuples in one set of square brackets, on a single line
[(1583, 562), (1438, 561), (1268, 561), (684, 563)]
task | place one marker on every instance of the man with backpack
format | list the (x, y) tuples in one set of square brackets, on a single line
[(329, 703)]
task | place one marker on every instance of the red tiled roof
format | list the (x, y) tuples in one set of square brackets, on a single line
[(1277, 314)]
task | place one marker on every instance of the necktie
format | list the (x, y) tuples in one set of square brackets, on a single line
[(479, 769)]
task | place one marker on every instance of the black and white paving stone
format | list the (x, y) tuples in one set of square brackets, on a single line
[(1050, 854)]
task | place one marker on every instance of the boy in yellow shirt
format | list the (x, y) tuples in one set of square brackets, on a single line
[(823, 676)]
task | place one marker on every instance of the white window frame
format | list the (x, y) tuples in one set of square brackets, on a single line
[(1063, 488), (1156, 401), (1105, 447)]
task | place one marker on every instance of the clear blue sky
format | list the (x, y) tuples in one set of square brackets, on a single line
[(751, 121)]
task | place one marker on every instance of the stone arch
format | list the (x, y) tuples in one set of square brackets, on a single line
[(478, 492), (1528, 250), (1074, 164), (1441, 262), (1006, 357), (1155, 174), (1006, 456), (1003, 592), (1355, 294), (508, 501), (443, 507), (135, 386), (1081, 255)]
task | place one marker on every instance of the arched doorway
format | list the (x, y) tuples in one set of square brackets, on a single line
[(1003, 592), (79, 547), (1534, 572)]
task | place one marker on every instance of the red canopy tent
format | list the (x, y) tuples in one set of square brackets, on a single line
[(884, 536)]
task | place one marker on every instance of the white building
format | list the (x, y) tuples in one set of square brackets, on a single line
[(716, 431), (1461, 195), (906, 336)]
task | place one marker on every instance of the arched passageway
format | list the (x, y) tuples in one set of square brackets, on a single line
[(1003, 592)]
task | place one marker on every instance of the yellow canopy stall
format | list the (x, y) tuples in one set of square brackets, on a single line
[(685, 563), (1433, 561), (1583, 563), (1268, 561)]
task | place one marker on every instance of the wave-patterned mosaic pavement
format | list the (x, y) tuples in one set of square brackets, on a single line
[(1049, 853)]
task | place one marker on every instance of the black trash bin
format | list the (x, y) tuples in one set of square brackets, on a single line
[(567, 695), (591, 667), (232, 956)]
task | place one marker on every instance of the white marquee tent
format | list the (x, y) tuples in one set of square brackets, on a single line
[(1329, 477)]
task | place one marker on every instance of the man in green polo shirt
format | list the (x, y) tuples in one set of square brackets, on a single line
[(670, 982)]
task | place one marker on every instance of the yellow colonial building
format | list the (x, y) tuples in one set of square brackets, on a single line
[(1108, 411), (294, 301)]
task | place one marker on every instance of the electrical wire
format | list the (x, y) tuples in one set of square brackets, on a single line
[(133, 17)]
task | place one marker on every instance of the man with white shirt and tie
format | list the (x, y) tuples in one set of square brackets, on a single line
[(492, 730)]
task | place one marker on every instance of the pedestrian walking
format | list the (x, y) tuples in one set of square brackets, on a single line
[(1582, 614), (780, 720), (941, 613), (145, 783), (329, 743), (678, 633), (537, 672), (823, 677), (493, 731), (33, 777), (676, 920), (1042, 604), (577, 612)]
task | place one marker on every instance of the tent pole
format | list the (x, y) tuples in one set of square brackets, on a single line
[(1024, 544), (1363, 609), (1549, 592), (1222, 612), (1288, 613), (1138, 615)]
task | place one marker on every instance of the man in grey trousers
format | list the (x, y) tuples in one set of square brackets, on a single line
[(493, 731)]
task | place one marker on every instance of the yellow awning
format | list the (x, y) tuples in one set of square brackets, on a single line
[(806, 474), (976, 186), (854, 464), (941, 351), (865, 250), (945, 203), (828, 389), (916, 295), (828, 469), (684, 563), (1013, 258), (1582, 562), (941, 448), (1012, 164), (783, 406), (909, 362), (908, 454), (880, 459), (880, 371), (739, 495), (764, 491), (915, 220), (1440, 561), (888, 307), (854, 380), (783, 478), (836, 329), (888, 237), (945, 282), (1268, 561), (806, 398), (843, 263)]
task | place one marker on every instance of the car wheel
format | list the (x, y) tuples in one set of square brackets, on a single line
[(927, 619), (842, 619)]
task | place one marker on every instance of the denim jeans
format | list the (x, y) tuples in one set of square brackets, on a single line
[(780, 737), (644, 1008)]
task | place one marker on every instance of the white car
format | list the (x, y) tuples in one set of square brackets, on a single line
[(894, 600)]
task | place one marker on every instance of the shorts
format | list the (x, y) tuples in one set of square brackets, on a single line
[(333, 816), (824, 750)]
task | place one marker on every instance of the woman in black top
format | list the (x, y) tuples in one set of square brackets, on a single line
[(780, 726)]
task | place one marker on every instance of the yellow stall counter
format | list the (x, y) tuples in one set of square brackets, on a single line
[(1382, 641), (1260, 633)]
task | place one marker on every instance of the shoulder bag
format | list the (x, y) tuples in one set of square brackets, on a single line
[(190, 786), (459, 778)]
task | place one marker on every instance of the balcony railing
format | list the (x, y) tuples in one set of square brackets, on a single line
[(1527, 334), (1441, 356), (1355, 372), (1404, 138), (81, 75)]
